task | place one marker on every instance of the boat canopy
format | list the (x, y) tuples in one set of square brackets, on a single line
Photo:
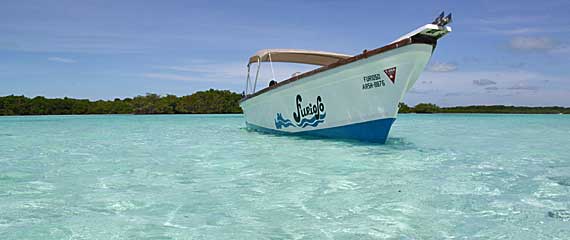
[(297, 56)]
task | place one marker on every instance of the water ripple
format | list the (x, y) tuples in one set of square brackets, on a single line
[(207, 177)]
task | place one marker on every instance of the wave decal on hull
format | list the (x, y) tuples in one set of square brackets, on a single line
[(281, 122)]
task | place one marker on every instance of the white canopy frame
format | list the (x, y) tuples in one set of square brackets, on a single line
[(310, 57)]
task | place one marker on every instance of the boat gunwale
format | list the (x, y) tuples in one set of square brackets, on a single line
[(363, 55)]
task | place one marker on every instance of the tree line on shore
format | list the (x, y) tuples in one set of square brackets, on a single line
[(432, 108), (210, 101), (204, 102)]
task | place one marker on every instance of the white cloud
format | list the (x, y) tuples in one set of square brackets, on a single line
[(508, 20), (442, 67), (539, 44), (522, 86), (521, 30), (227, 72), (561, 50), (532, 43), (517, 25), (526, 30), (484, 82), (61, 60), (210, 70), (512, 87), (102, 37), (168, 76)]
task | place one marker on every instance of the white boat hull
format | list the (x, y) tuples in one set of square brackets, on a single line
[(358, 100)]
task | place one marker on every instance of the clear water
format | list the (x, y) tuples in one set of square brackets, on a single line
[(206, 177)]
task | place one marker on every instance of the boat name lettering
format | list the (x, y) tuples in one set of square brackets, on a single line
[(311, 109)]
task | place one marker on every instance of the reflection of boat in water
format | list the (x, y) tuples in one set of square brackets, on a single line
[(353, 97)]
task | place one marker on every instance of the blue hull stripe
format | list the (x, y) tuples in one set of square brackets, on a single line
[(371, 131)]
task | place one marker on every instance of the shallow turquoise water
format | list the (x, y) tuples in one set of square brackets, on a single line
[(206, 177)]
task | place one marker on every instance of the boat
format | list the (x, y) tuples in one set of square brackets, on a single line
[(347, 97)]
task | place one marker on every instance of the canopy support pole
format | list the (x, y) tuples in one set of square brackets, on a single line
[(271, 64), (247, 80), (257, 74)]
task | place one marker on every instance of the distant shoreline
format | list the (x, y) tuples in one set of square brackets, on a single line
[(488, 109), (238, 114), (209, 102)]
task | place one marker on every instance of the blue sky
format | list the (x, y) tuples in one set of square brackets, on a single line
[(500, 52)]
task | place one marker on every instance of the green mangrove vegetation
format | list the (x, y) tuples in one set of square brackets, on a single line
[(204, 102), (432, 108), (210, 101)]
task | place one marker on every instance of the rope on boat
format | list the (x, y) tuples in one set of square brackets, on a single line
[(271, 64)]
